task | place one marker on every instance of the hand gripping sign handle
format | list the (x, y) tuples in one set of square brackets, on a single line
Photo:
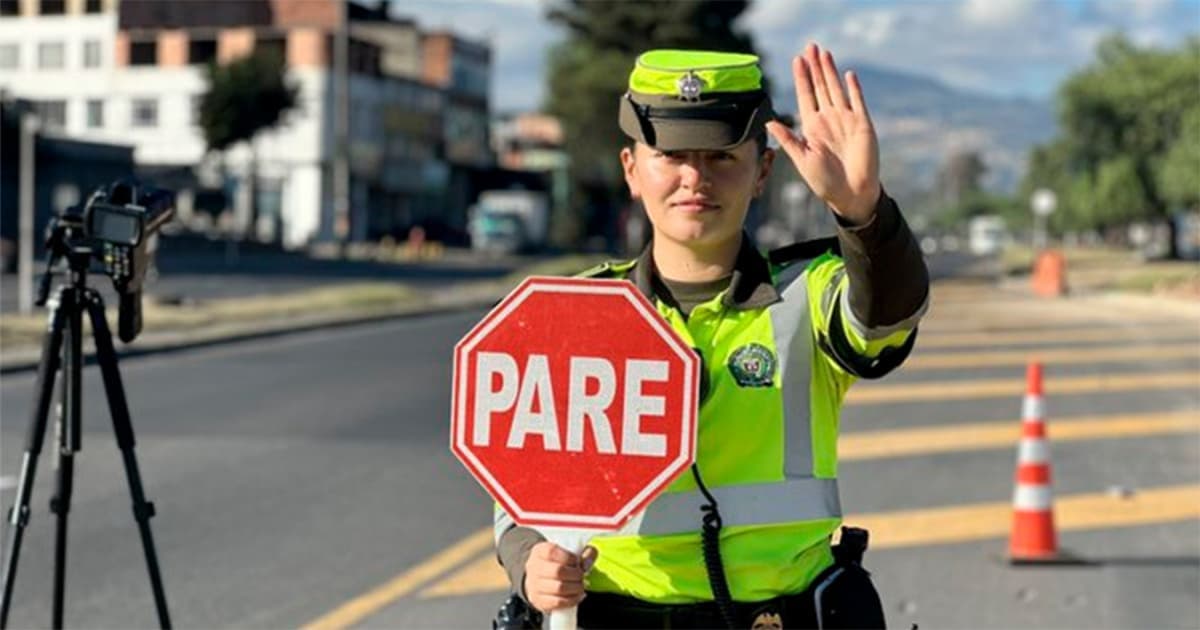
[(574, 541)]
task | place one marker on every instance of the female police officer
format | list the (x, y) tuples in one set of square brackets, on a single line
[(745, 540)]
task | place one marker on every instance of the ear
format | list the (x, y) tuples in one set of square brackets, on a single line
[(764, 171), (628, 164)]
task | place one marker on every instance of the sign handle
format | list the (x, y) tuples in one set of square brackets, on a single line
[(574, 541)]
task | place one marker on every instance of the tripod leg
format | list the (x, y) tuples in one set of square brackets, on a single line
[(69, 439), (18, 515), (143, 510)]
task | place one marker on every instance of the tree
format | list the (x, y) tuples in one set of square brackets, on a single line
[(1128, 144), (243, 98), (588, 73)]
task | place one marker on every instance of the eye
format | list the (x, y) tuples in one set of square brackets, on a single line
[(724, 156)]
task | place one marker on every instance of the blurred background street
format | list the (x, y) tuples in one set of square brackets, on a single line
[(356, 183)]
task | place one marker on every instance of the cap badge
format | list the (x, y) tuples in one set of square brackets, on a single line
[(690, 86)]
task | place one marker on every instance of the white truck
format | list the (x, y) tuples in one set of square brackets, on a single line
[(986, 235), (509, 221)]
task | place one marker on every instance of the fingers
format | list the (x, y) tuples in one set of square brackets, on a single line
[(554, 576), (805, 98), (812, 54), (857, 102), (829, 72)]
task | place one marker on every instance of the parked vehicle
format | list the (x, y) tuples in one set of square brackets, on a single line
[(986, 235), (509, 221)]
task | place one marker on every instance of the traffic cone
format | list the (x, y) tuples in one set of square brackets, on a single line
[(1033, 537)]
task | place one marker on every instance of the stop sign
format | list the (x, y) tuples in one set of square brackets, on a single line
[(574, 403)]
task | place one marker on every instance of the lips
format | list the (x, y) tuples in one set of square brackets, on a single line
[(697, 204)]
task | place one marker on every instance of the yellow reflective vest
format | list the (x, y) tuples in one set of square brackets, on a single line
[(767, 446)]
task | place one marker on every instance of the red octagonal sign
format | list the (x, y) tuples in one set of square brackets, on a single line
[(574, 403)]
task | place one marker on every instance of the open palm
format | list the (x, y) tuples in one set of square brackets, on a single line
[(838, 154)]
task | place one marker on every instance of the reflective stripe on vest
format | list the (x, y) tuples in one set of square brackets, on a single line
[(790, 501), (790, 325)]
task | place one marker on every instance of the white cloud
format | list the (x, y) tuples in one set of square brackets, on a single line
[(988, 13), (874, 28), (1018, 47)]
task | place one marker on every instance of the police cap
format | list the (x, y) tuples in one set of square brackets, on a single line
[(694, 100)]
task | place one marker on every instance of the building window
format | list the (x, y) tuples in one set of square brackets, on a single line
[(92, 6), (10, 56), (202, 51), (95, 113), (91, 54), (53, 114), (52, 7), (143, 53), (50, 55), (10, 7), (144, 113)]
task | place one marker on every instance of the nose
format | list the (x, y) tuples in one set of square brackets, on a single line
[(693, 173)]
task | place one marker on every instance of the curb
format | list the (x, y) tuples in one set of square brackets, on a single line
[(448, 301)]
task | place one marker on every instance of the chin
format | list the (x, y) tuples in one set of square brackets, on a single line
[(700, 233)]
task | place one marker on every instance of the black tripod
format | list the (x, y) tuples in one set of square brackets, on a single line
[(62, 348)]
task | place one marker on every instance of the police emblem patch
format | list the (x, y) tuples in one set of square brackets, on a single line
[(690, 87), (753, 365)]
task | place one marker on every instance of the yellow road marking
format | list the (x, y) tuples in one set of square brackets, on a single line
[(980, 521), (1187, 334), (372, 602), (482, 576), (1061, 356), (936, 526), (983, 435), (876, 393)]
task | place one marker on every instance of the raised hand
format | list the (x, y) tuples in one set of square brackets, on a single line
[(838, 153)]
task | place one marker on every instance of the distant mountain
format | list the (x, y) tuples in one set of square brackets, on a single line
[(921, 121)]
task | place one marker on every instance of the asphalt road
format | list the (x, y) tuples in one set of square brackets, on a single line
[(295, 475), (198, 272)]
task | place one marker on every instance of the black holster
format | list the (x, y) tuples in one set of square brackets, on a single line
[(516, 614), (843, 594)]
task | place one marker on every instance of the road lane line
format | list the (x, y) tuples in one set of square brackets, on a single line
[(877, 394), (1061, 356), (375, 600), (1187, 334), (936, 526), (962, 523), (923, 440), (483, 576)]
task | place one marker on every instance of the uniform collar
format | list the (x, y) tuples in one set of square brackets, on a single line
[(750, 287)]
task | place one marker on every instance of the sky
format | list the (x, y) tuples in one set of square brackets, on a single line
[(1001, 47)]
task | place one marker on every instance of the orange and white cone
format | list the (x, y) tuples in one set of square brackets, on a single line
[(1033, 537)]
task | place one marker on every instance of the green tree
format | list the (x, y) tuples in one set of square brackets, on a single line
[(1128, 144), (587, 74), (242, 99)]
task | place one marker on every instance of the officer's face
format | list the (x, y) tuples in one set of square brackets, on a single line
[(697, 198)]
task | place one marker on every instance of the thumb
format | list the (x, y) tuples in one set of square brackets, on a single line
[(588, 557), (792, 144)]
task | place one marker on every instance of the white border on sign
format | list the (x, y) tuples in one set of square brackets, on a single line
[(625, 289)]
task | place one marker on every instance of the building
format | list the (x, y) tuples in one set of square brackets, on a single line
[(133, 72)]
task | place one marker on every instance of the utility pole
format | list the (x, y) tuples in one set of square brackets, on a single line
[(341, 125), (29, 128)]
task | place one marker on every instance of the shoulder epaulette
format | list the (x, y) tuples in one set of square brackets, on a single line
[(805, 250), (607, 269)]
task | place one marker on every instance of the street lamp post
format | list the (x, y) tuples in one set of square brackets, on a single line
[(1043, 203)]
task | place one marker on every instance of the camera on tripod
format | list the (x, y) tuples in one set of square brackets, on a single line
[(114, 226)]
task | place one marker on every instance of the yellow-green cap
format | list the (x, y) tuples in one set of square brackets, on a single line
[(694, 99)]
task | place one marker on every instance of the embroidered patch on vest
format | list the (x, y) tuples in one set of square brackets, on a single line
[(753, 365)]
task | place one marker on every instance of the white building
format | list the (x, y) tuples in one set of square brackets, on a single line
[(133, 75)]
